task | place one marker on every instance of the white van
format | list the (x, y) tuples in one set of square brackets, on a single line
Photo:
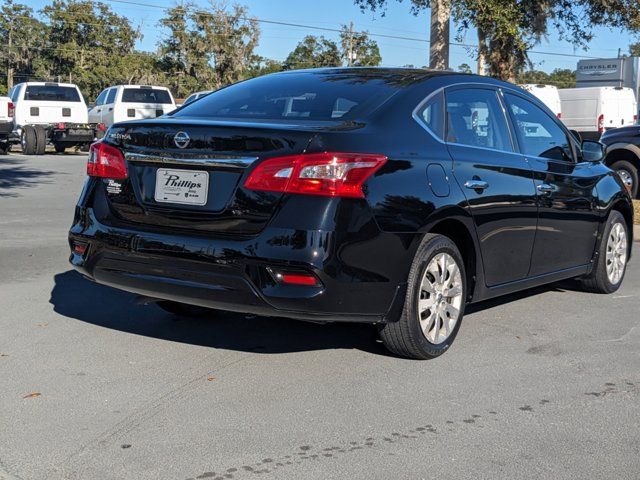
[(51, 112), (594, 110), (547, 94), (131, 102)]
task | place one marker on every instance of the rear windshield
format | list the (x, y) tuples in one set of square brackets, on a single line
[(145, 95), (51, 93), (300, 96)]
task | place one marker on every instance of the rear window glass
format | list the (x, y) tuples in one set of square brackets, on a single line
[(145, 95), (300, 96), (51, 93)]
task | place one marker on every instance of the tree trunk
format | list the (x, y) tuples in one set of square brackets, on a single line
[(482, 52), (439, 46), (10, 60)]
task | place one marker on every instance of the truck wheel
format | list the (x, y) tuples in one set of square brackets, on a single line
[(28, 140), (629, 174), (434, 303), (41, 139), (4, 148), (85, 147), (60, 147)]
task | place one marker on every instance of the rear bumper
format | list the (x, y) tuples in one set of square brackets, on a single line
[(233, 274), (5, 128)]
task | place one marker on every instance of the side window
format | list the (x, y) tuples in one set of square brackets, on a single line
[(101, 97), (538, 133), (14, 93), (475, 118), (432, 115), (112, 95)]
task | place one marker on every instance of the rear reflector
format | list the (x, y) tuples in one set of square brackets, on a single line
[(299, 279), (330, 174), (106, 161)]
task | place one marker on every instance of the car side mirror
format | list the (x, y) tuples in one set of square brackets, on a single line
[(592, 151)]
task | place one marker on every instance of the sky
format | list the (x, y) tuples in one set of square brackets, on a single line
[(277, 41)]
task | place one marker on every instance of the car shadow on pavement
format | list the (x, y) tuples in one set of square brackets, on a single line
[(14, 175), (76, 297)]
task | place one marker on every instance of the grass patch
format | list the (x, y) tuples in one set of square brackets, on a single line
[(636, 212)]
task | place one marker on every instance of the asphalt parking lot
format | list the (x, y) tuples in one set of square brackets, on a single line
[(544, 384)]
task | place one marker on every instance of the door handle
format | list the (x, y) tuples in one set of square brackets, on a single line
[(476, 184), (99, 110), (111, 109), (545, 188)]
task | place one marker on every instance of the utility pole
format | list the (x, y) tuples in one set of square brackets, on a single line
[(439, 34), (350, 52)]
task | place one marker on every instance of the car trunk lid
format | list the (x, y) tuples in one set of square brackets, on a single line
[(209, 159)]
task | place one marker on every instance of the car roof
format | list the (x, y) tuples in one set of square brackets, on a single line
[(56, 84), (139, 86)]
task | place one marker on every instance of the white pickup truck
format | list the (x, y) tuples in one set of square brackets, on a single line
[(48, 112), (6, 123), (131, 102)]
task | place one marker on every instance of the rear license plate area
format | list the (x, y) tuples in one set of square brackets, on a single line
[(183, 187)]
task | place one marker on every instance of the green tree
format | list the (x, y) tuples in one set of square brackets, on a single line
[(439, 25), (634, 49), (90, 44), (464, 68), (358, 50), (207, 49), (313, 52), (22, 42)]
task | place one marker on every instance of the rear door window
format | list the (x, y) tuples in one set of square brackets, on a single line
[(475, 118), (51, 93), (145, 95), (431, 115), (538, 134)]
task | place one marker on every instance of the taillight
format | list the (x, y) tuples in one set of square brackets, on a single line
[(559, 115), (102, 127), (10, 109), (601, 123), (106, 161), (328, 174), (62, 126), (635, 119)]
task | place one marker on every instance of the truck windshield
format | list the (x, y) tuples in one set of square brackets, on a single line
[(51, 93), (145, 95)]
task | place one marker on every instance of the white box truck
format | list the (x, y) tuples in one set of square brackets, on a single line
[(593, 110), (547, 94)]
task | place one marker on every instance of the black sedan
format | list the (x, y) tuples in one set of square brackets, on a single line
[(389, 196)]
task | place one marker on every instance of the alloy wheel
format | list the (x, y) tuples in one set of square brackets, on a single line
[(616, 253), (627, 179), (440, 298)]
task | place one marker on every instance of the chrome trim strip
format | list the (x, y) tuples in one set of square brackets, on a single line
[(228, 162)]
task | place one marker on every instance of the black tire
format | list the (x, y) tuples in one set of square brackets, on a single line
[(41, 139), (404, 337), (59, 147), (183, 309), (630, 173), (28, 140), (85, 147), (598, 281), (4, 148)]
